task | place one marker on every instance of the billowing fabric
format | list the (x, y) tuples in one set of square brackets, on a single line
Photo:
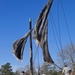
[(18, 46), (40, 31), (44, 44), (41, 20)]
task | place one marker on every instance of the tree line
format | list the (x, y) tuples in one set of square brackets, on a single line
[(6, 69), (65, 55)]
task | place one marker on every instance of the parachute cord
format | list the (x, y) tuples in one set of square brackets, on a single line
[(53, 26), (66, 25), (38, 63), (35, 54), (59, 25), (54, 34), (59, 31)]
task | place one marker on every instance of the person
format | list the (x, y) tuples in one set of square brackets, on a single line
[(66, 70), (22, 73)]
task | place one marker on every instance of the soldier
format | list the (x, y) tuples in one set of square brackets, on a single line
[(22, 73), (66, 70)]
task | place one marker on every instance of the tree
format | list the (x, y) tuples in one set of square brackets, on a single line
[(27, 70), (48, 69), (6, 69), (16, 73), (44, 69), (67, 55)]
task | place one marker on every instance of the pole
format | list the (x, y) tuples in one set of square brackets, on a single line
[(31, 53)]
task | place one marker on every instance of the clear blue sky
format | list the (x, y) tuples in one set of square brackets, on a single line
[(14, 23)]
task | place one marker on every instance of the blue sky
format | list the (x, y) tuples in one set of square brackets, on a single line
[(14, 23)]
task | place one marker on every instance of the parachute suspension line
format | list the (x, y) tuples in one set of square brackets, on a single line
[(38, 63), (20, 64), (54, 33), (59, 25), (53, 26), (35, 54), (59, 31), (66, 24)]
